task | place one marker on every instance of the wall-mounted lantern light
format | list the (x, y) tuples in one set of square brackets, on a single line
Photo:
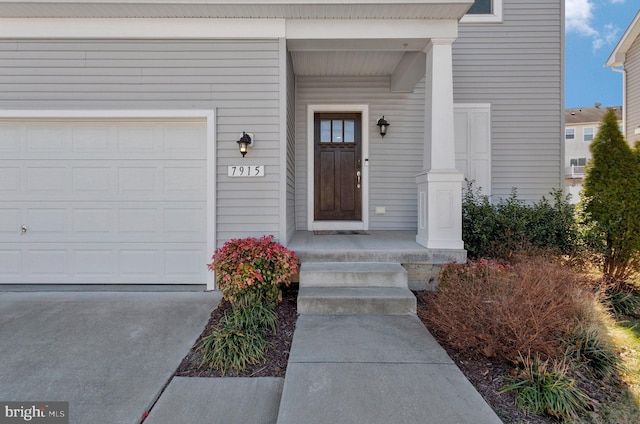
[(244, 143), (383, 125)]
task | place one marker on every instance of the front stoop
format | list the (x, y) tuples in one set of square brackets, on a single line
[(353, 288)]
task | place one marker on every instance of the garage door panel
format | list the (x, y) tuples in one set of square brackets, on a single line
[(94, 263), (96, 178), (9, 180), (9, 221), (103, 202), (104, 263), (46, 179), (139, 262), (47, 262), (10, 264), (152, 222), (47, 139), (102, 180), (9, 139)]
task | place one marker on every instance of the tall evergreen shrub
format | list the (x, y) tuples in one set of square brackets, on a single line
[(611, 200)]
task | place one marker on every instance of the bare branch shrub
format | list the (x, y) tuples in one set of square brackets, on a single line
[(501, 310)]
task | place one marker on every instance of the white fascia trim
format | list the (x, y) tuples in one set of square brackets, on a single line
[(618, 56), (337, 225), (209, 116), (496, 16), (108, 113), (311, 29), (117, 28)]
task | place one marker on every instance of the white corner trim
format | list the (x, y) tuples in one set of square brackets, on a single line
[(337, 225), (202, 114), (119, 28), (208, 116), (496, 16)]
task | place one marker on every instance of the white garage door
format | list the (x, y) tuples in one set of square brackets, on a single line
[(103, 201)]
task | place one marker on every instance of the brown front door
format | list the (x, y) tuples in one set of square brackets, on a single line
[(338, 166)]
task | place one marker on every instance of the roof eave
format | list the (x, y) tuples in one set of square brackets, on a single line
[(265, 9), (618, 56)]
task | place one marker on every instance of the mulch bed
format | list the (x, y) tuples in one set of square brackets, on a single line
[(277, 356), (486, 374)]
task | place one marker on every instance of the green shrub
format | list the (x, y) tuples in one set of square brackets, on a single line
[(510, 225), (545, 387), (588, 346)]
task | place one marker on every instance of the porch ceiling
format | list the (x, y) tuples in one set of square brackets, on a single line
[(258, 9), (336, 63)]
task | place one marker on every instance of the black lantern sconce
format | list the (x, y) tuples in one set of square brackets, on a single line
[(383, 125), (244, 143)]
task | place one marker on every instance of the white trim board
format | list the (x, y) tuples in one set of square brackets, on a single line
[(208, 116), (313, 225)]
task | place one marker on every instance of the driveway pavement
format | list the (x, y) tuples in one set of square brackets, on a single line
[(109, 354)]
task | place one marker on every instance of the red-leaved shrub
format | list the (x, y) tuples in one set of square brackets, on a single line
[(501, 310), (253, 266)]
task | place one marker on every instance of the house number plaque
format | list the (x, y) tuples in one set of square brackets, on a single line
[(245, 171)]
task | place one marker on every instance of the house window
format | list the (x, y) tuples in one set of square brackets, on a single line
[(481, 7), (578, 161), (569, 133), (588, 134), (484, 11)]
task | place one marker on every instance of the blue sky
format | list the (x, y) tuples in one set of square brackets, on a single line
[(593, 29)]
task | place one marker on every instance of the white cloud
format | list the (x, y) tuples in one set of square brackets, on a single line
[(579, 19)]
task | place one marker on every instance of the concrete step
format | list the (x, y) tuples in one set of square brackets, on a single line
[(356, 300), (352, 274)]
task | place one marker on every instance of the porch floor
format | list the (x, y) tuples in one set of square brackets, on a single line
[(376, 246)]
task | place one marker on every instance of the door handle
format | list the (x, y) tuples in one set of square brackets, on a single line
[(358, 178)]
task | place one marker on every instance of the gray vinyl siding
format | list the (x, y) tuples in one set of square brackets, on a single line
[(394, 160), (291, 149), (516, 66), (632, 65), (237, 78)]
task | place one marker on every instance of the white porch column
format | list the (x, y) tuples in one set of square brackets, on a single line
[(439, 184)]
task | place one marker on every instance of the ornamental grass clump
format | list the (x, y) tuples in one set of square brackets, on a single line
[(253, 265), (590, 347), (238, 340), (545, 387)]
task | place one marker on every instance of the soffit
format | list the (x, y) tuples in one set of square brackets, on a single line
[(358, 63), (249, 9)]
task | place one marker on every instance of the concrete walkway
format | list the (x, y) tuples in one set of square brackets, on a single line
[(374, 369), (110, 355)]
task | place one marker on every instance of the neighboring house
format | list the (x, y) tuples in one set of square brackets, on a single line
[(625, 59), (581, 126), (119, 123)]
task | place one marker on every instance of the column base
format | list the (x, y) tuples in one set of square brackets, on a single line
[(440, 209)]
